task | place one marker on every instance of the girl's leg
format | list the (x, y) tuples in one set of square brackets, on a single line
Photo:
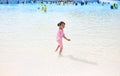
[(57, 48), (61, 48), (60, 51)]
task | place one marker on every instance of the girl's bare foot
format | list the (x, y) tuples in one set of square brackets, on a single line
[(60, 54)]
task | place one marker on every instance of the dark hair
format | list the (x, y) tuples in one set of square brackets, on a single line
[(60, 23)]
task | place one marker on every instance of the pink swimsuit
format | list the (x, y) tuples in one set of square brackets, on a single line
[(60, 34)]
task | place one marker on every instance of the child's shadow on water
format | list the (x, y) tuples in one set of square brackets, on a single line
[(79, 60)]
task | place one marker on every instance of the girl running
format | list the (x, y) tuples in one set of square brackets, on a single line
[(60, 35)]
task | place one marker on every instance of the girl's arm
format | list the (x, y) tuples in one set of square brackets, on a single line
[(66, 38)]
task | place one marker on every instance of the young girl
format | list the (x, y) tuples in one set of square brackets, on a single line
[(60, 35)]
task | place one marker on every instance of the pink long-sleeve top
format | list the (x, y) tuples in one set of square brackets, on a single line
[(60, 34)]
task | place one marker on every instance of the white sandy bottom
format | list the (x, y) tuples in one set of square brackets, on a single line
[(27, 44)]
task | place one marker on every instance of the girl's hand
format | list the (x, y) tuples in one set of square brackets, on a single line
[(68, 39)]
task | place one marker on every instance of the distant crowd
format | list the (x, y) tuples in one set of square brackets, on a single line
[(112, 6)]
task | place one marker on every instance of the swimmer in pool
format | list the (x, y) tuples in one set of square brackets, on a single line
[(60, 35), (44, 8)]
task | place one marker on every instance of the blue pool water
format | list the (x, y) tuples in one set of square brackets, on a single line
[(93, 7), (28, 40)]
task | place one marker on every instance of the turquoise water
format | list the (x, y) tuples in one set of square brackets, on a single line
[(28, 40), (57, 8)]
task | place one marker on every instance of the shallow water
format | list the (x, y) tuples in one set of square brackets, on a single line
[(27, 40)]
